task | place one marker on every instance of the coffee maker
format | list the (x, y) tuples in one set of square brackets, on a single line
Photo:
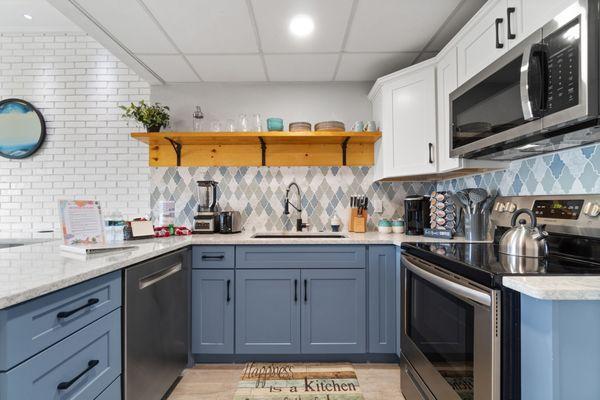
[(416, 214), (206, 219)]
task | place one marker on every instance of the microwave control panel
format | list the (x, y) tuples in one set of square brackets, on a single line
[(563, 67)]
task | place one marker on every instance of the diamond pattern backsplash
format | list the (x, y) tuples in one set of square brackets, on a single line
[(575, 171), (259, 193)]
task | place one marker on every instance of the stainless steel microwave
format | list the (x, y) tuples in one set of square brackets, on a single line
[(542, 95)]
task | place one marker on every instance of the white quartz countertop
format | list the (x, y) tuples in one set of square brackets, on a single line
[(556, 287), (30, 271)]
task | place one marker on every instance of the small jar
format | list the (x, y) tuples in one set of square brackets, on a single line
[(398, 225), (384, 226)]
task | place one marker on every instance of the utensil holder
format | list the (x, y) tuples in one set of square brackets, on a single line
[(475, 226)]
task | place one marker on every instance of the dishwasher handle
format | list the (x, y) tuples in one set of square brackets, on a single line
[(158, 276)]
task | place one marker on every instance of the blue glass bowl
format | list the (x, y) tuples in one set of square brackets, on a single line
[(274, 124)]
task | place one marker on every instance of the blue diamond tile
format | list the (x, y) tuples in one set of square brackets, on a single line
[(556, 166)]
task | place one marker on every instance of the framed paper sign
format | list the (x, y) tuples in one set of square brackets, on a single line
[(22, 128), (81, 222)]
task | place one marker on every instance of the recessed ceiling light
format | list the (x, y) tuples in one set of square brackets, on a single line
[(27, 16), (302, 25)]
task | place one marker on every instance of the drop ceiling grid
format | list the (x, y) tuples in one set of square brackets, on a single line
[(338, 65)]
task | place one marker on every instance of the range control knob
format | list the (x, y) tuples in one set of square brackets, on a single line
[(510, 207), (587, 208), (500, 207), (594, 210)]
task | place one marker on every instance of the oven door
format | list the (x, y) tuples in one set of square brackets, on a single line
[(450, 332)]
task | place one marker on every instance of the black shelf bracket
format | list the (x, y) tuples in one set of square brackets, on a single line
[(263, 150), (177, 147), (344, 149)]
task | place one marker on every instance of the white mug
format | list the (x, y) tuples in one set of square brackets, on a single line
[(370, 126), (358, 126)]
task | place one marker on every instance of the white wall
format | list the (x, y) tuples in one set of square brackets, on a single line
[(311, 102), (77, 85)]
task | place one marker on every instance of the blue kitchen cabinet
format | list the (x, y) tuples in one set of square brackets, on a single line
[(333, 311), (268, 311), (382, 299), (212, 311), (206, 257)]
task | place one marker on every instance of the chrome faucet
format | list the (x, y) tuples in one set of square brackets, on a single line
[(286, 207)]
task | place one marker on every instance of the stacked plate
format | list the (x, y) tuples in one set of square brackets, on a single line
[(442, 212), (335, 126), (300, 127)]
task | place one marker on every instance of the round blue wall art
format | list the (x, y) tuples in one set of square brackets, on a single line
[(22, 128)]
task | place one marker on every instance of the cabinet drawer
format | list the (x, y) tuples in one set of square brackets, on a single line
[(78, 368), (213, 257), (301, 256), (113, 392), (28, 328)]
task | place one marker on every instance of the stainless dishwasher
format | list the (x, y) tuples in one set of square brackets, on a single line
[(156, 319)]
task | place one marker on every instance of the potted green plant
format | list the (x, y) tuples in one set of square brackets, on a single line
[(153, 117)]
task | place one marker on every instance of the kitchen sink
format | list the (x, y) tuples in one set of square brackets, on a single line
[(303, 235)]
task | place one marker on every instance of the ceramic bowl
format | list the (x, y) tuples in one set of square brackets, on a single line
[(275, 124)]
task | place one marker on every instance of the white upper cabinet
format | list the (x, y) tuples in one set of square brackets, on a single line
[(534, 14), (484, 41), (447, 81)]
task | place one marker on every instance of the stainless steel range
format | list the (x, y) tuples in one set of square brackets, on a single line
[(460, 326)]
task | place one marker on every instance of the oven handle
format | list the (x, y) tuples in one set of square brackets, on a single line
[(450, 286)]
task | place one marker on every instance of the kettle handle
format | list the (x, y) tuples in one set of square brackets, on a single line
[(527, 211)]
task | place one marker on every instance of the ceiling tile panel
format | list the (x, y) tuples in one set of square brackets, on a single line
[(206, 26), (301, 67), (463, 14), (398, 25), (170, 68), (229, 68), (273, 19), (129, 23), (370, 66), (45, 18)]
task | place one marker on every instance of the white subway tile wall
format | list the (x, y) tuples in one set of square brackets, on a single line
[(78, 86)]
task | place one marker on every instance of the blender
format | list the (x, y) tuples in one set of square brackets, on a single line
[(206, 219)]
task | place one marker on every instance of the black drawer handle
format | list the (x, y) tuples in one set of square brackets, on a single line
[(67, 314), (213, 258), (295, 290), (228, 290), (305, 291), (509, 12), (66, 385), (498, 44), (430, 154)]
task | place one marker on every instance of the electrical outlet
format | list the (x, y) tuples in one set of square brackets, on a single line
[(377, 206)]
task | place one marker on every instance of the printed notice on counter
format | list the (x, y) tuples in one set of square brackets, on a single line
[(81, 222)]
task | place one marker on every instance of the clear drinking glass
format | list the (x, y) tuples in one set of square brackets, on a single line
[(257, 122), (215, 126), (230, 125), (243, 123), (198, 119)]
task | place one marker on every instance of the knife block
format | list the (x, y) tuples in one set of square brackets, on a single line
[(360, 223), (353, 214)]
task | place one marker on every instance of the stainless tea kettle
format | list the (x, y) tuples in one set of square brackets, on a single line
[(523, 240)]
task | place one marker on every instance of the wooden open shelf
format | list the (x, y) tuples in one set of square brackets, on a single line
[(322, 148)]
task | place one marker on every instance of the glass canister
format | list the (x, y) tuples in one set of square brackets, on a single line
[(198, 120)]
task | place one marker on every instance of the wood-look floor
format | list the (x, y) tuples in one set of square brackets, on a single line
[(219, 382)]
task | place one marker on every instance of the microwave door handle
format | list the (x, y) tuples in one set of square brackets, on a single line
[(452, 287), (533, 81)]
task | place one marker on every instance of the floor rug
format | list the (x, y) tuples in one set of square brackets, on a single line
[(282, 381)]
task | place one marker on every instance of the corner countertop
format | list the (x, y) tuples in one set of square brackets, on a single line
[(30, 271), (577, 287)]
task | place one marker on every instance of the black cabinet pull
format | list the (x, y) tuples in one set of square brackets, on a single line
[(509, 12), (66, 385), (228, 291), (305, 290), (430, 148), (295, 290), (67, 314), (213, 258), (498, 44)]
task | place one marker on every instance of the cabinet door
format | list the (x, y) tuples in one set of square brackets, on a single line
[(532, 15), (212, 311), (477, 48), (413, 102), (447, 81), (268, 311), (382, 299), (333, 311)]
